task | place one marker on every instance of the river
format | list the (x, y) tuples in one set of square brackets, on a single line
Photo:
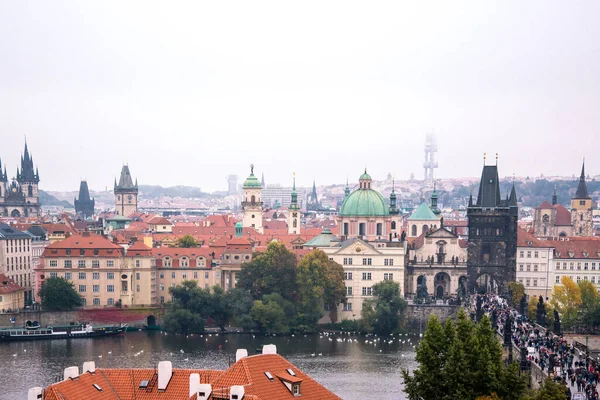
[(351, 369)]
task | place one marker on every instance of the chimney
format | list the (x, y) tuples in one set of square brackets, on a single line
[(240, 353), (269, 349), (194, 383), (71, 372), (204, 391), (35, 393), (165, 372), (236, 393), (89, 366)]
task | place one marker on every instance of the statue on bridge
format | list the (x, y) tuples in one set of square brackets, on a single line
[(523, 306), (494, 319), (557, 324), (540, 314), (479, 310), (508, 331)]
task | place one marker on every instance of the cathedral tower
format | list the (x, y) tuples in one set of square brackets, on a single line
[(492, 251), (252, 203), (581, 209), (293, 219), (126, 193)]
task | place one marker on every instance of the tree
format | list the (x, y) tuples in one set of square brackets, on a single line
[(589, 302), (320, 281), (273, 271), (59, 294), (549, 390), (384, 314), (187, 241), (532, 308), (462, 361), (182, 321), (240, 303), (517, 291), (269, 317), (566, 299)]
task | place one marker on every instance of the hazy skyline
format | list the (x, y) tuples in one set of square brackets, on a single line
[(187, 93)]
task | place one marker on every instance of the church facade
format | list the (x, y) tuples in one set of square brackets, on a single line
[(20, 197)]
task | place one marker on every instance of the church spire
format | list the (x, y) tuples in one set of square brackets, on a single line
[(434, 200), (393, 206), (512, 201), (294, 203), (554, 197), (582, 192), (347, 188)]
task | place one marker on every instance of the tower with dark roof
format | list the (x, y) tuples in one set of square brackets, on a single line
[(581, 209), (20, 198), (84, 206), (294, 212), (126, 193), (492, 251)]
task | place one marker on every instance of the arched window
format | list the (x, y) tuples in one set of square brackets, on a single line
[(414, 230), (167, 262), (200, 262), (184, 262), (253, 199), (362, 229), (393, 224), (425, 227), (295, 223), (345, 229), (30, 191), (379, 229)]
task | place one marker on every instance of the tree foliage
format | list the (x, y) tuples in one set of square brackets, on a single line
[(187, 241), (385, 313), (517, 291), (59, 294), (566, 299), (462, 361), (550, 390)]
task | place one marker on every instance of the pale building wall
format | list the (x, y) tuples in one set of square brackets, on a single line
[(252, 211), (534, 270), (16, 261), (13, 301), (171, 277), (578, 269), (125, 203)]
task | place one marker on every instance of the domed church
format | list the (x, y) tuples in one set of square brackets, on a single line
[(366, 215)]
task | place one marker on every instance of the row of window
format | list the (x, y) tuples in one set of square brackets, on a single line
[(578, 279), (586, 266), (522, 253), (184, 275), (84, 263), (368, 261), (17, 245), (96, 301), (527, 282), (367, 276), (535, 267)]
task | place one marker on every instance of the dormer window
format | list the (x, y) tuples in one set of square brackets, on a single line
[(296, 389), (585, 254), (68, 252), (571, 254)]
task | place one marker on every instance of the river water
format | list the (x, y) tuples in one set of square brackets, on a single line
[(351, 369)]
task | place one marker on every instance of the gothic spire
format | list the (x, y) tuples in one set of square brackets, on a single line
[(347, 188), (294, 204), (582, 192), (554, 197), (512, 201)]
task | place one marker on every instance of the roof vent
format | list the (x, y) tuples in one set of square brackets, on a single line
[(204, 391), (236, 393), (144, 384), (35, 393), (240, 353), (289, 371), (269, 376), (269, 349), (71, 372), (165, 372), (88, 366), (98, 388)]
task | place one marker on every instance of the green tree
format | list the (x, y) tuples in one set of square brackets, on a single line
[(589, 302), (566, 299), (549, 390), (182, 321), (532, 307), (273, 271), (240, 303), (187, 241), (516, 291), (269, 317), (384, 314), (58, 294), (320, 281)]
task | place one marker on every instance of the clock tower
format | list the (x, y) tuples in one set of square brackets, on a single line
[(293, 220), (252, 203), (126, 193)]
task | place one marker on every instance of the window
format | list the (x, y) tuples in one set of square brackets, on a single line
[(348, 307), (110, 275), (379, 229), (172, 275), (110, 263), (80, 263), (83, 301), (366, 276), (162, 287), (137, 263), (367, 261), (578, 278), (585, 278), (535, 282), (167, 262), (53, 263), (528, 267), (68, 263), (110, 301), (345, 260), (521, 267), (579, 266), (82, 288), (184, 275), (557, 279), (206, 275), (593, 266), (348, 276), (529, 254), (96, 275), (296, 389), (527, 282), (96, 288), (161, 275), (184, 262), (137, 288), (388, 277), (535, 267), (195, 274), (348, 290), (571, 266), (535, 254), (388, 261), (95, 263), (593, 279), (137, 276), (110, 288), (53, 274), (367, 291), (68, 276), (82, 275), (522, 254), (162, 299)]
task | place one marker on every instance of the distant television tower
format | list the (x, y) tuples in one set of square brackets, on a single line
[(430, 164), (232, 184)]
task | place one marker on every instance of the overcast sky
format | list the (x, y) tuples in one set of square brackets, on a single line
[(187, 93)]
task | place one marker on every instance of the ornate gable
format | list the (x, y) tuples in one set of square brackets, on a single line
[(358, 247)]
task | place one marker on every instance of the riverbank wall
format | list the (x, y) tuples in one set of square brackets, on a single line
[(420, 313), (136, 317)]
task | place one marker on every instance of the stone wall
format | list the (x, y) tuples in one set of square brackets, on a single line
[(132, 316), (421, 312)]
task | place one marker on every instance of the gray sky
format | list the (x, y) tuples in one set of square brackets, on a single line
[(187, 93)]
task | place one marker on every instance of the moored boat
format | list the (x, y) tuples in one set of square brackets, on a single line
[(68, 332)]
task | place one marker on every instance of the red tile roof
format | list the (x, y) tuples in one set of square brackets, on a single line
[(563, 216), (581, 247), (139, 249), (158, 220), (88, 242), (544, 206), (526, 239), (7, 285)]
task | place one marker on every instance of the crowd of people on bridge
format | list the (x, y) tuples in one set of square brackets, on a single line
[(552, 353)]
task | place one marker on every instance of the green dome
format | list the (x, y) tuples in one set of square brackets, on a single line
[(364, 203), (239, 225), (365, 176), (252, 182)]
